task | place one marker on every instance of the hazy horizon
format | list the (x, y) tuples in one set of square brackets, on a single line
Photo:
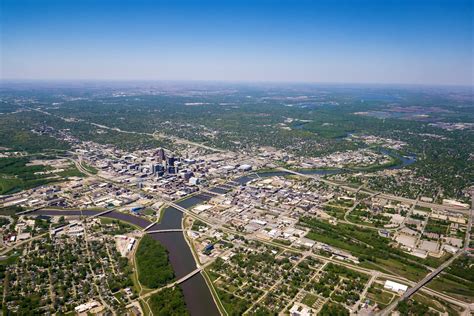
[(404, 42), (125, 82)]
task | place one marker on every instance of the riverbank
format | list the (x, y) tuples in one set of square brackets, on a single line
[(197, 295)]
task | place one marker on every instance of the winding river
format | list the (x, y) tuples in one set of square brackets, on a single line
[(197, 295)]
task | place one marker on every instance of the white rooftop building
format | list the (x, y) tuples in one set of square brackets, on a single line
[(245, 167), (394, 286), (300, 310), (86, 306)]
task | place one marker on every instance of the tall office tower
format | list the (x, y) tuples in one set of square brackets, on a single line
[(160, 170), (154, 168), (170, 161), (161, 155)]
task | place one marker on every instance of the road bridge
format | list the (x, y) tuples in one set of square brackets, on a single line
[(208, 194), (29, 211), (206, 220), (164, 231), (438, 270), (211, 193), (179, 281), (410, 292), (149, 226), (101, 213), (232, 184)]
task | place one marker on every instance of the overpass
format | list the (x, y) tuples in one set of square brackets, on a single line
[(438, 270), (410, 292)]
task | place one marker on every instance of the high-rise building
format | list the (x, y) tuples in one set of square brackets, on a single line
[(170, 161), (160, 153), (156, 169), (172, 169)]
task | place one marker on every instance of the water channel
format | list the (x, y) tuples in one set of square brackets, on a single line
[(198, 298), (197, 295)]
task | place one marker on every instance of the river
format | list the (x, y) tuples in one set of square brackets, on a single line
[(197, 296)]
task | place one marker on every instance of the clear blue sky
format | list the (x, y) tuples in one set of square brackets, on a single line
[(379, 41)]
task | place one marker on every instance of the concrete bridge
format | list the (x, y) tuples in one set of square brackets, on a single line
[(164, 231), (188, 212), (149, 226), (101, 213), (212, 193), (387, 311), (178, 207), (179, 281), (29, 211)]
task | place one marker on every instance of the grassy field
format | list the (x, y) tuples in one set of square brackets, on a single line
[(309, 300), (71, 172), (377, 294), (336, 211), (366, 244), (11, 210), (457, 280), (149, 211), (436, 304), (89, 168), (453, 286), (16, 175)]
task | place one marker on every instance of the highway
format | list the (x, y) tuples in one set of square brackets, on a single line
[(467, 238)]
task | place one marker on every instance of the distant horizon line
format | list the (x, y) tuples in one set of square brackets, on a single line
[(224, 81)]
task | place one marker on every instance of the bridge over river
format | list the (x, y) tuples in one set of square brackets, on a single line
[(169, 233)]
